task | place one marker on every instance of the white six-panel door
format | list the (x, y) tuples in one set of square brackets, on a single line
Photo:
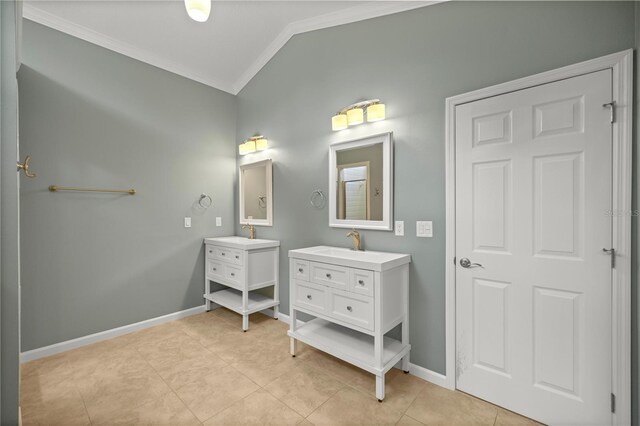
[(533, 185)]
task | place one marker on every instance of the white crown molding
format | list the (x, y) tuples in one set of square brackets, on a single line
[(341, 17), (346, 16), (50, 20)]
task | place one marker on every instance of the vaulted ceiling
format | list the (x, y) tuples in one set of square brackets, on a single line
[(225, 52)]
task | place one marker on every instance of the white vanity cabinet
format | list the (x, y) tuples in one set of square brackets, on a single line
[(242, 265), (356, 297)]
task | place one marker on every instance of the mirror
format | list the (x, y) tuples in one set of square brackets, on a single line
[(361, 183), (256, 193)]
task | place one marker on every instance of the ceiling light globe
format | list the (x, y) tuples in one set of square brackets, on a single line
[(198, 10)]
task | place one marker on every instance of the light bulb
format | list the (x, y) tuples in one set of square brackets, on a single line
[(198, 10)]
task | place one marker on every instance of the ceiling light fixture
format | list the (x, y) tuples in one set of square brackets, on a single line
[(354, 114), (198, 10), (253, 144)]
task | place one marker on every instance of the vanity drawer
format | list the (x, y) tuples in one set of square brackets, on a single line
[(214, 269), (361, 282), (233, 274), (311, 296), (352, 308), (229, 255), (210, 251), (331, 275), (301, 269)]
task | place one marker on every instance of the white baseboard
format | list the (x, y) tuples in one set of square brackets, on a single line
[(415, 370), (107, 334)]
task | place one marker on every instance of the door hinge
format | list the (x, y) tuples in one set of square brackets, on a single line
[(613, 403), (612, 107)]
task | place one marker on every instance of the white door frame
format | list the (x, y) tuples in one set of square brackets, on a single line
[(621, 65)]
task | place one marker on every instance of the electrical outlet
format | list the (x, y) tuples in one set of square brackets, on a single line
[(218, 221), (187, 222), (400, 228), (424, 228)]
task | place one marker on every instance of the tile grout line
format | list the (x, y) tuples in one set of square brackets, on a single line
[(168, 386)]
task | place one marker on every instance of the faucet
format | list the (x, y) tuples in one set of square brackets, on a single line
[(252, 231), (356, 239)]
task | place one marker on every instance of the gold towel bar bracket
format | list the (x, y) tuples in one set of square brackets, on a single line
[(54, 188)]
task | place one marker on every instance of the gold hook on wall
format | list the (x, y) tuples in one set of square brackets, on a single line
[(25, 167)]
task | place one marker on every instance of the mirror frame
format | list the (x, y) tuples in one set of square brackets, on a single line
[(269, 180), (386, 224)]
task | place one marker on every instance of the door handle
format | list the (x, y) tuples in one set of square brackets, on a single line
[(466, 263), (25, 167)]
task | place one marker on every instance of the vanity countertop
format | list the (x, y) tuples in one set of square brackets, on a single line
[(372, 260), (242, 243)]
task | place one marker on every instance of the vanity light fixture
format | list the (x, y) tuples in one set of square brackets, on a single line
[(253, 144), (354, 114), (198, 10)]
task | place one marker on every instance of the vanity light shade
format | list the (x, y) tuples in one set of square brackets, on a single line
[(242, 149), (247, 147), (198, 10), (376, 112), (250, 146), (355, 116), (339, 122), (261, 144)]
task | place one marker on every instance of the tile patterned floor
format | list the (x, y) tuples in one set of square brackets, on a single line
[(203, 370)]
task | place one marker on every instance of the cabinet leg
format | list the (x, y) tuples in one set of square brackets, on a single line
[(245, 322), (275, 312), (405, 364), (293, 346), (380, 387)]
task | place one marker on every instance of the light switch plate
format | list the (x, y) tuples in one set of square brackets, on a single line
[(424, 228), (218, 221), (187, 222)]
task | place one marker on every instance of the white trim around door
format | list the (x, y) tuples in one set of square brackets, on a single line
[(621, 65)]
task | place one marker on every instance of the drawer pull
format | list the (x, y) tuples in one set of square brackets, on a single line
[(329, 276), (237, 257), (361, 282), (309, 296), (215, 269), (300, 270), (349, 308), (233, 274)]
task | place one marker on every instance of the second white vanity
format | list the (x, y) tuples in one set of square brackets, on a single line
[(357, 297), (243, 265)]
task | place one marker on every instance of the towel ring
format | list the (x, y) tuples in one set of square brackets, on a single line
[(205, 201), (318, 199)]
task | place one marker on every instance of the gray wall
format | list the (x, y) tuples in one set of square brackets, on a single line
[(9, 220), (412, 61), (92, 117)]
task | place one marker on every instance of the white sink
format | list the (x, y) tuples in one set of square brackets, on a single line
[(242, 243), (373, 260)]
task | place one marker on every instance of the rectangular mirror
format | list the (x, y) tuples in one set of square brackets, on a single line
[(256, 193), (361, 183)]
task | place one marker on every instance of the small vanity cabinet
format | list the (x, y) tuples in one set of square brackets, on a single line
[(242, 265), (356, 298)]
